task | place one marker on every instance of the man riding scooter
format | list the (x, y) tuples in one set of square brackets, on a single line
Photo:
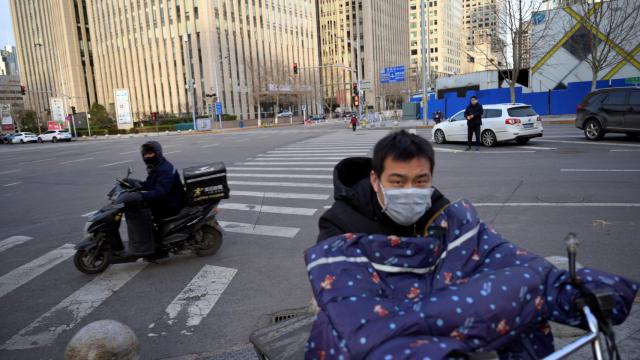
[(162, 195)]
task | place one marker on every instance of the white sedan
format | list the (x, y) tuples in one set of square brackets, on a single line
[(500, 123), (24, 137), (55, 136)]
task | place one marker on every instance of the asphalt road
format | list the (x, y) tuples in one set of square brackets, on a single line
[(534, 195)]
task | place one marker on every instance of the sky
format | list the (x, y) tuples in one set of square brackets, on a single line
[(6, 32)]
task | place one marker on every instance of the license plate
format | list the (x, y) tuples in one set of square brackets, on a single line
[(527, 126)]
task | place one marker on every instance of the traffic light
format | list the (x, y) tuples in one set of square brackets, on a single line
[(23, 90), (295, 68), (355, 89), (356, 100), (73, 110)]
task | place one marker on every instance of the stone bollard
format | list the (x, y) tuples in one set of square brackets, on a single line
[(560, 330), (102, 340)]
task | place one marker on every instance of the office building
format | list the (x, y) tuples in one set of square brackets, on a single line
[(8, 61), (484, 46), (381, 28), (241, 52), (446, 39)]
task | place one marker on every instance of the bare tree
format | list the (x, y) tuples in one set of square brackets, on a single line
[(607, 28), (516, 40)]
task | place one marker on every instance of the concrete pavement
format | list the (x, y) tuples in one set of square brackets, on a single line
[(532, 194)]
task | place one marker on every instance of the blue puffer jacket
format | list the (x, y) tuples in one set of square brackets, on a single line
[(461, 289)]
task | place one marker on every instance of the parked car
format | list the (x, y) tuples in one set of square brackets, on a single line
[(24, 137), (6, 138), (55, 136), (285, 113), (317, 117), (612, 110), (500, 123)]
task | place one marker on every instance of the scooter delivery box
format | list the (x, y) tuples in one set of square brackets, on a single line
[(206, 184)]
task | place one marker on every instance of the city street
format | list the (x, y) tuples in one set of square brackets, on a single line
[(281, 182)]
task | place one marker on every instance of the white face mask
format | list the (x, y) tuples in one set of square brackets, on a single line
[(406, 206)]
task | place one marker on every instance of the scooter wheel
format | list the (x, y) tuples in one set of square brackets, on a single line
[(211, 241), (86, 263)]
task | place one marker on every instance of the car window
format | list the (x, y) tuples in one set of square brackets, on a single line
[(596, 99), (634, 98), (28, 133), (50, 132), (521, 111), (63, 131), (616, 98), (457, 117), (492, 113)]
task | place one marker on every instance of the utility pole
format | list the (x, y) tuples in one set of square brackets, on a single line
[(358, 59), (190, 81), (426, 57)]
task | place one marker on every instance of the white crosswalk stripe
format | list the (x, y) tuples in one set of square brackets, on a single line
[(332, 151), (279, 195), (197, 299), (238, 168), (283, 184), (260, 230), (268, 209), (28, 271), (44, 330), (260, 162), (12, 241), (310, 156), (290, 176)]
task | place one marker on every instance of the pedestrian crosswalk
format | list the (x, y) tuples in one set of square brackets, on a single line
[(283, 186)]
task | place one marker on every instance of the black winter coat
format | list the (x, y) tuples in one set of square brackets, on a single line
[(477, 111), (163, 190), (357, 209)]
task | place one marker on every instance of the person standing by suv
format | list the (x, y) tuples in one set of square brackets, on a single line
[(473, 114)]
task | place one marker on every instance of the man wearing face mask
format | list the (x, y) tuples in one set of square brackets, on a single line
[(162, 196), (391, 194)]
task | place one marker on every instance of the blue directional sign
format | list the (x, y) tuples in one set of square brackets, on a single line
[(218, 108), (393, 74)]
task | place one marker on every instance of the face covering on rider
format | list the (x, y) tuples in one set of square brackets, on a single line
[(150, 161), (406, 206)]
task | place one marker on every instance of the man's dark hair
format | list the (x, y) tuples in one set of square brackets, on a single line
[(474, 97), (401, 146)]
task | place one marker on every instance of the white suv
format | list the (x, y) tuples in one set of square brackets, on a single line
[(500, 123), (55, 136)]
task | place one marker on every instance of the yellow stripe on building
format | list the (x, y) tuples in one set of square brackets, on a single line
[(621, 64)]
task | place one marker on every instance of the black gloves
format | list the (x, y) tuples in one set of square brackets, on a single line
[(129, 197)]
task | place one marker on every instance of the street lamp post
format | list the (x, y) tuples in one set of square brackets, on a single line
[(426, 57), (358, 59), (190, 81)]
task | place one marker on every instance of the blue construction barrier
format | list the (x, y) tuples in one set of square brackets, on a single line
[(553, 102)]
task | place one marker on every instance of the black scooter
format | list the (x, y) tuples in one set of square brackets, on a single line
[(194, 229)]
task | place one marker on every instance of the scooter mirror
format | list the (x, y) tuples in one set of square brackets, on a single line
[(129, 171)]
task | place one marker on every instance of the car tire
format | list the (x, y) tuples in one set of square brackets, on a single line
[(522, 141), (593, 130), (21, 141), (439, 137), (488, 138), (54, 139), (40, 140)]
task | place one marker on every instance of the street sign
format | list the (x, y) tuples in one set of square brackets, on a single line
[(632, 80), (218, 108), (366, 84), (395, 74), (57, 109), (123, 108)]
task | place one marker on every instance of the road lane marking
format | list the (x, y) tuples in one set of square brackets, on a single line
[(440, 149), (27, 272), (290, 176), (44, 330), (260, 230), (590, 143), (306, 156), (277, 169), (336, 148), (197, 299), (268, 209), (600, 170), (562, 204), (37, 161), (623, 150), (280, 195), (117, 163), (129, 152), (76, 160), (12, 241), (325, 151), (283, 184), (173, 152), (533, 147), (290, 163), (208, 146), (9, 171), (12, 184)]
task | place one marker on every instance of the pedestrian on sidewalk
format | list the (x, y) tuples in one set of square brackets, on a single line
[(473, 114), (354, 122)]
